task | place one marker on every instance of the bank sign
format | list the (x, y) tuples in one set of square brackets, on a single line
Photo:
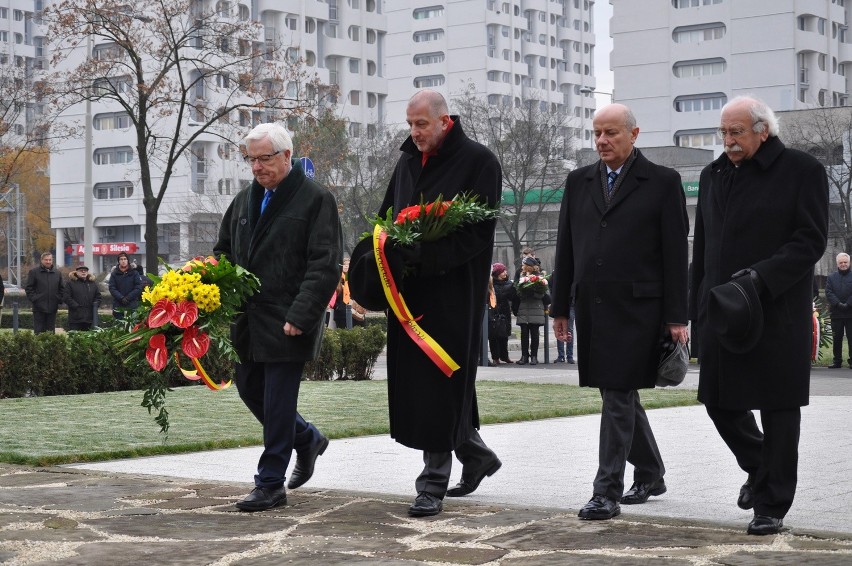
[(111, 248)]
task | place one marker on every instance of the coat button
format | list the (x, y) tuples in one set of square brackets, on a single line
[(603, 223), (598, 300), (599, 262)]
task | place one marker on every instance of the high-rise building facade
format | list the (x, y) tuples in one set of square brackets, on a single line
[(676, 62), (508, 50)]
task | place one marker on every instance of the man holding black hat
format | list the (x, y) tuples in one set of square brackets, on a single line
[(760, 227)]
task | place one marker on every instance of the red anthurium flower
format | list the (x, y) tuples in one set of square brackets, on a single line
[(161, 313), (185, 315), (194, 343), (410, 214), (157, 354)]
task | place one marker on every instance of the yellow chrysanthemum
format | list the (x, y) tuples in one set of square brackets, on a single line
[(207, 297)]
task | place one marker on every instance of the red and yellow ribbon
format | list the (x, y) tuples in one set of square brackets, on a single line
[(199, 373), (397, 304)]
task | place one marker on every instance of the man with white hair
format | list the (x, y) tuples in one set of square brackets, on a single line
[(285, 229), (838, 293), (760, 226)]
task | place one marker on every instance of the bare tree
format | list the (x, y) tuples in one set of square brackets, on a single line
[(826, 133), (534, 149), (179, 70)]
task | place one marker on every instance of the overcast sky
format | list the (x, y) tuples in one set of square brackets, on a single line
[(603, 46)]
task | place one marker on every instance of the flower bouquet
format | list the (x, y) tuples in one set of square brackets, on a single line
[(185, 311), (530, 285), (425, 222)]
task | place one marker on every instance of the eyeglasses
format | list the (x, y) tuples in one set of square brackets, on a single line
[(735, 133), (262, 159)]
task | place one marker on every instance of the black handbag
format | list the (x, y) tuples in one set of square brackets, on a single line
[(498, 326), (674, 361)]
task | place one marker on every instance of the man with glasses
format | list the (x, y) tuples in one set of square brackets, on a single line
[(285, 229), (761, 224)]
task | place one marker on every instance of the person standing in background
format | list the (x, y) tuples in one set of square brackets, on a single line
[(838, 293)]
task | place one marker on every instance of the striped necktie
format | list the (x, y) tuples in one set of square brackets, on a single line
[(610, 182), (266, 198)]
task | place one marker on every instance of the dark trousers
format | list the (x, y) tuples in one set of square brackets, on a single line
[(529, 339), (271, 391), (79, 326), (499, 348), (771, 457), (625, 436), (474, 455), (839, 327), (44, 322)]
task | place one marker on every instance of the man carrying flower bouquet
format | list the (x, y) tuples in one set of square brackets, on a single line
[(285, 229), (444, 282), (621, 254)]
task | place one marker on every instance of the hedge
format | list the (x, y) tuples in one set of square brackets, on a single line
[(87, 362)]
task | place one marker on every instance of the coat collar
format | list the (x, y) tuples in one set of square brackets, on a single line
[(449, 145), (764, 157), (637, 173), (284, 193)]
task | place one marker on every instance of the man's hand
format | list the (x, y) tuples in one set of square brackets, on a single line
[(561, 329), (125, 301), (755, 278), (290, 330), (410, 255), (678, 332)]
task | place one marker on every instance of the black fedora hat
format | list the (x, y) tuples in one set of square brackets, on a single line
[(735, 315), (365, 285)]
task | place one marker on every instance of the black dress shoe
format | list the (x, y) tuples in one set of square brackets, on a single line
[(639, 492), (600, 507), (765, 525), (534, 360), (507, 361), (263, 498), (746, 498), (523, 361), (469, 483), (425, 505), (835, 365), (304, 468)]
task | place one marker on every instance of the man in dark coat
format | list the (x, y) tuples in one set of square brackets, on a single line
[(838, 293), (285, 229), (762, 213), (622, 255), (125, 286), (81, 296), (447, 284), (45, 289)]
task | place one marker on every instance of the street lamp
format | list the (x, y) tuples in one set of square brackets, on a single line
[(591, 90)]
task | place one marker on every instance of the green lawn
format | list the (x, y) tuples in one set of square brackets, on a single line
[(75, 428)]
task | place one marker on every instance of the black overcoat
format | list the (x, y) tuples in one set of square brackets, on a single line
[(428, 410), (626, 267), (81, 294), (295, 249), (775, 221)]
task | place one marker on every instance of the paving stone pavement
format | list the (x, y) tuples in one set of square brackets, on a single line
[(51, 516)]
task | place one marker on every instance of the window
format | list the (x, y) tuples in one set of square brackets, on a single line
[(4, 13), (223, 8), (371, 36), (4, 36), (111, 121), (821, 26), (371, 68), (106, 52), (19, 15), (697, 138), (310, 25), (699, 33), (243, 12), (224, 186), (699, 102), (354, 65), (706, 67), (429, 12), (428, 35), (112, 155), (354, 129), (112, 191), (429, 58), (291, 23), (354, 33), (112, 85), (310, 58), (355, 97), (428, 81), (821, 61), (223, 80), (371, 99), (693, 3)]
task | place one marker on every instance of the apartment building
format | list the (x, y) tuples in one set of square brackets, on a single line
[(509, 51), (676, 62)]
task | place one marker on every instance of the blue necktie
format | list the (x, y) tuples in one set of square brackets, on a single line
[(266, 198), (610, 183)]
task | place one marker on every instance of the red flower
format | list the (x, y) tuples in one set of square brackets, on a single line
[(157, 354), (442, 208), (186, 313), (194, 343), (409, 214), (161, 313)]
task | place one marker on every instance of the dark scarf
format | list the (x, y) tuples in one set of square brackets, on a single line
[(608, 196)]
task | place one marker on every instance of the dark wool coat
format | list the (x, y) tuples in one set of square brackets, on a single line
[(125, 284), (838, 289), (295, 249), (428, 410), (775, 222), (626, 268), (81, 294), (45, 289)]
